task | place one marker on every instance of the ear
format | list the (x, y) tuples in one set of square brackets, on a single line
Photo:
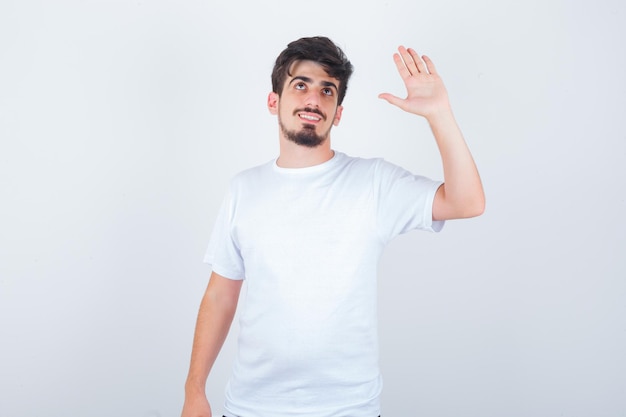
[(272, 103), (337, 115)]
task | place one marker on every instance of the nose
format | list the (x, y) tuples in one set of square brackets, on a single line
[(312, 99)]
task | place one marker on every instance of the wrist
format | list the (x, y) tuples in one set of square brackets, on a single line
[(194, 388), (440, 116)]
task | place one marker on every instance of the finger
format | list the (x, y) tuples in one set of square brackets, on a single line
[(430, 65), (418, 61), (402, 69), (390, 98), (409, 62)]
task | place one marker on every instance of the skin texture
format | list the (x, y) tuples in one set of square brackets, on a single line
[(462, 194), (313, 92), (308, 104), (309, 87), (215, 316)]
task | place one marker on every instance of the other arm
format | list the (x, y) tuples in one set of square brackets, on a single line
[(462, 194), (215, 316)]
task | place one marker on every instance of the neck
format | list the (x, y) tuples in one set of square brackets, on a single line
[(293, 155)]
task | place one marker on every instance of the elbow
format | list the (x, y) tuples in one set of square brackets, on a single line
[(471, 208), (479, 210), (463, 210), (449, 206), (477, 207)]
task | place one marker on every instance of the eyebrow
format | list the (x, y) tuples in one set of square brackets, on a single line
[(309, 80)]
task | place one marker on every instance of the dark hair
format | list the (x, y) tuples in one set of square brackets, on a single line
[(318, 49)]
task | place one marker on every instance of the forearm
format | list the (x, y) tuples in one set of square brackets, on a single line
[(215, 316), (462, 192)]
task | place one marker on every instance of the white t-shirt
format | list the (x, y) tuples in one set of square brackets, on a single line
[(307, 241)]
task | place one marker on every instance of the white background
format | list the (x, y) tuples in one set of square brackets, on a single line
[(121, 123)]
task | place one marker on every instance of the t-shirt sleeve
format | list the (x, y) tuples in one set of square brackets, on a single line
[(223, 253), (405, 201)]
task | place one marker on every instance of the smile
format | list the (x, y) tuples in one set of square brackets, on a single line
[(309, 117), (310, 114)]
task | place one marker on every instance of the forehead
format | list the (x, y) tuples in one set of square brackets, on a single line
[(309, 69)]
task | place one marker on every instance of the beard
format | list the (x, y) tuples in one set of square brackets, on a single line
[(306, 136)]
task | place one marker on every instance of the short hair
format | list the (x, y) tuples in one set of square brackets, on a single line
[(318, 49)]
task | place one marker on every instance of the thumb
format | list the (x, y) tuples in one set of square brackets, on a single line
[(390, 98)]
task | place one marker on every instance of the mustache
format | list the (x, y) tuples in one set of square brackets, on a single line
[(310, 110)]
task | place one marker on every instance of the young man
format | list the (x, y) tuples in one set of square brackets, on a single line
[(305, 232)]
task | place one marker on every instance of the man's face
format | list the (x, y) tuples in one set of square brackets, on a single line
[(307, 107)]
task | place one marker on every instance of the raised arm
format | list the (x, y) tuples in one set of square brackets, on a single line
[(462, 193), (217, 310)]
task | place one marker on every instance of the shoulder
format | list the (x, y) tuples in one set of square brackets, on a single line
[(377, 167), (375, 170), (251, 174), (245, 181), (358, 163)]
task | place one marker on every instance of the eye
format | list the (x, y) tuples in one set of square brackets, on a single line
[(327, 91), (300, 86)]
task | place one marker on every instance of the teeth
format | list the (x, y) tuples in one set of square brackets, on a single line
[(306, 116)]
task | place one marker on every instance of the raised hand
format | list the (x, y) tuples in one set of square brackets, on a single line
[(426, 94)]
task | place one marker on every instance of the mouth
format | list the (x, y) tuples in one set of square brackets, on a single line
[(310, 115)]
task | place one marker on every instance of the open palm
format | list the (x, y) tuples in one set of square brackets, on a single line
[(426, 94)]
